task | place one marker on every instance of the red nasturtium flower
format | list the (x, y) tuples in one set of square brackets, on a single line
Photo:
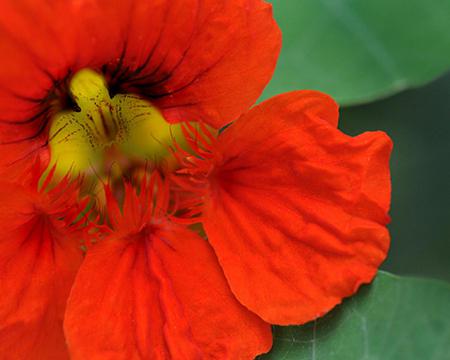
[(199, 241)]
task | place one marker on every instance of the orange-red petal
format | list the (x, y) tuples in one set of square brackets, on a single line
[(224, 71), (39, 257), (297, 211), (158, 296)]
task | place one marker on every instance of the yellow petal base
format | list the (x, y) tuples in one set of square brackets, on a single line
[(107, 132)]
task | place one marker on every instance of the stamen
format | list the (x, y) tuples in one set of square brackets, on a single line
[(193, 175)]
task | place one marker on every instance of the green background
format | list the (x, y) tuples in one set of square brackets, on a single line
[(379, 323), (360, 50)]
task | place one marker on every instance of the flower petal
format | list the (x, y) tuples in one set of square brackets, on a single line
[(162, 296), (223, 72), (39, 257), (297, 210)]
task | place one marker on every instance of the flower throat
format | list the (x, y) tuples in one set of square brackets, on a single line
[(107, 134)]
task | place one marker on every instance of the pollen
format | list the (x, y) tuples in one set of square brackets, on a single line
[(106, 130)]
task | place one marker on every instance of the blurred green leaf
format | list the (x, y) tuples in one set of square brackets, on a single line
[(395, 318), (358, 51)]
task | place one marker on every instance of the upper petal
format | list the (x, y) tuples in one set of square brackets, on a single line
[(189, 57), (297, 211), (230, 59), (159, 297)]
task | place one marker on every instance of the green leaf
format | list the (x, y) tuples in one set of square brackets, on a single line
[(357, 50), (395, 318)]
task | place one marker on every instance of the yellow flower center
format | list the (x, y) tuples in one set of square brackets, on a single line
[(107, 131)]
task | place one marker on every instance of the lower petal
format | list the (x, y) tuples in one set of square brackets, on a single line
[(158, 298)]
